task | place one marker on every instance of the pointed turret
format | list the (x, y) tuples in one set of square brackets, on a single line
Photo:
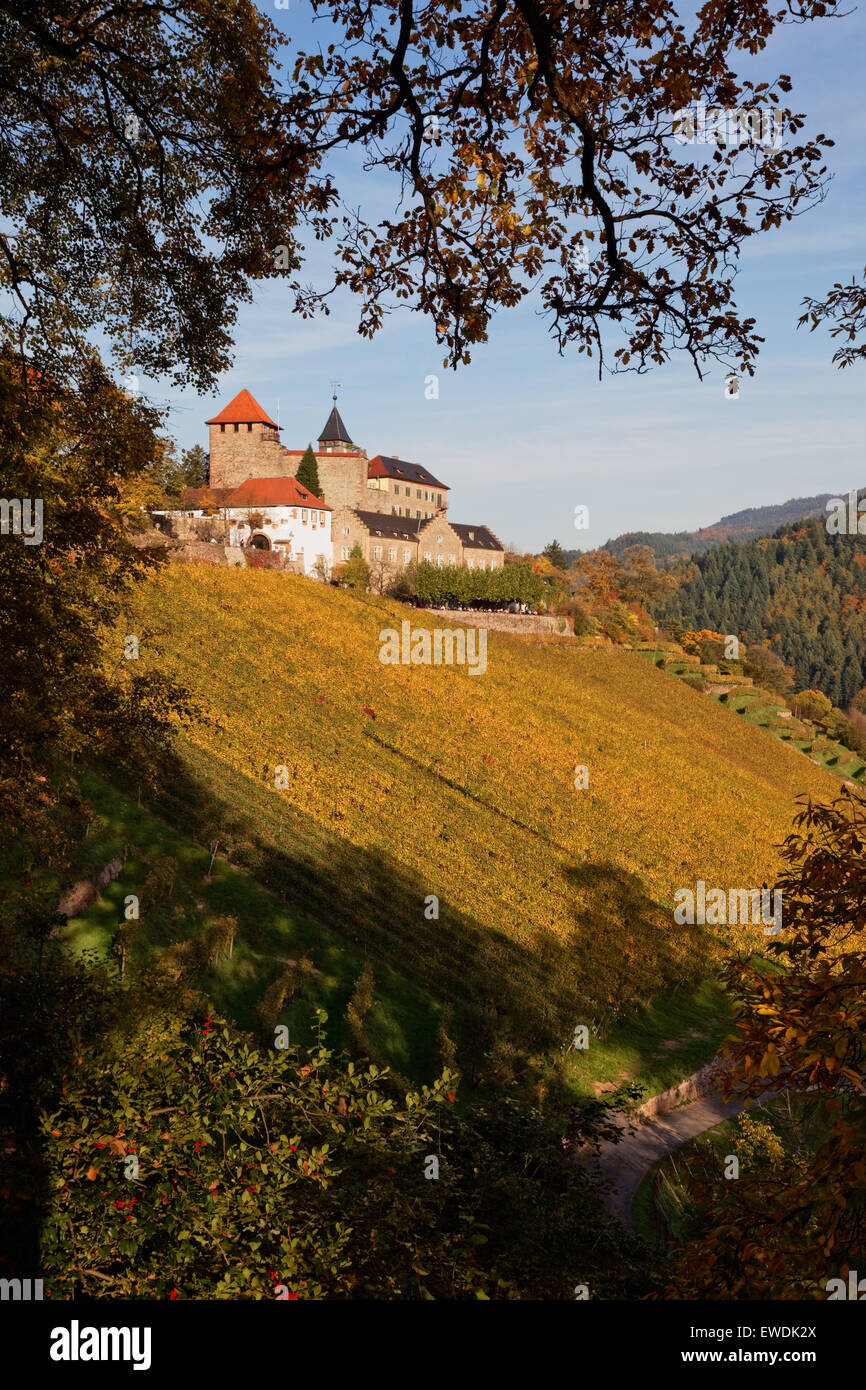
[(334, 437), (243, 410)]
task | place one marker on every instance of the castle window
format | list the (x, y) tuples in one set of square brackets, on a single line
[(249, 429), (417, 490), (407, 556), (439, 498), (345, 530), (392, 554), (439, 562), (470, 563), (377, 552), (438, 540), (425, 494), (452, 560), (418, 516), (222, 429), (236, 429), (393, 511), (344, 553), (396, 488), (304, 515)]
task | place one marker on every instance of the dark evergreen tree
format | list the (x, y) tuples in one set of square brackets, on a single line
[(308, 472), (555, 554)]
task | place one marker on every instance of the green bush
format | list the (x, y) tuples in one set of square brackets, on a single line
[(356, 574), (449, 584)]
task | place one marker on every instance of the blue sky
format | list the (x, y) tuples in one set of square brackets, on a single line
[(522, 435)]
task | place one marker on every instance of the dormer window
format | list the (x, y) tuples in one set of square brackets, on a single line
[(472, 535)]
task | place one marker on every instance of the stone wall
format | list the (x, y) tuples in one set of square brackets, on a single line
[(202, 552), (238, 454), (517, 624), (343, 479), (701, 1083)]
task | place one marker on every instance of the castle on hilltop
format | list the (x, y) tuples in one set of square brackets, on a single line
[(395, 510)]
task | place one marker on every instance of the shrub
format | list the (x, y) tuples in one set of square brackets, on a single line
[(810, 704), (765, 666), (356, 574), (402, 586)]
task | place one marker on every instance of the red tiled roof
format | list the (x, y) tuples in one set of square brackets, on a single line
[(384, 467), (243, 410), (274, 492)]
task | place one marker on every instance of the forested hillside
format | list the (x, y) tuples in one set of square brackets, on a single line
[(802, 590), (751, 521)]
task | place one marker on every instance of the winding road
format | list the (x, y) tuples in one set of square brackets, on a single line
[(626, 1163)]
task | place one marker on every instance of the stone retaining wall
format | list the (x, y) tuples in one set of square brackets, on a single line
[(700, 1083), (518, 624)]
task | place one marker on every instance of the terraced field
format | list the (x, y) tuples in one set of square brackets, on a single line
[(555, 904), (761, 708)]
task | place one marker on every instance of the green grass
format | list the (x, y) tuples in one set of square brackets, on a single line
[(401, 1027), (660, 1209), (659, 1045)]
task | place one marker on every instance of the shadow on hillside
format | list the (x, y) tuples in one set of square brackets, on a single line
[(618, 924), (500, 989)]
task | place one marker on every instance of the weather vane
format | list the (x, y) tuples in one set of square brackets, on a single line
[(335, 387)]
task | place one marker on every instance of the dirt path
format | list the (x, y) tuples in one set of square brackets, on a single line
[(625, 1164)]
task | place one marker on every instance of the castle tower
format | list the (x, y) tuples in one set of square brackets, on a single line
[(342, 465), (244, 443), (334, 438)]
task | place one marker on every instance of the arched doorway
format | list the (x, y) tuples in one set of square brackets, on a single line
[(259, 541)]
